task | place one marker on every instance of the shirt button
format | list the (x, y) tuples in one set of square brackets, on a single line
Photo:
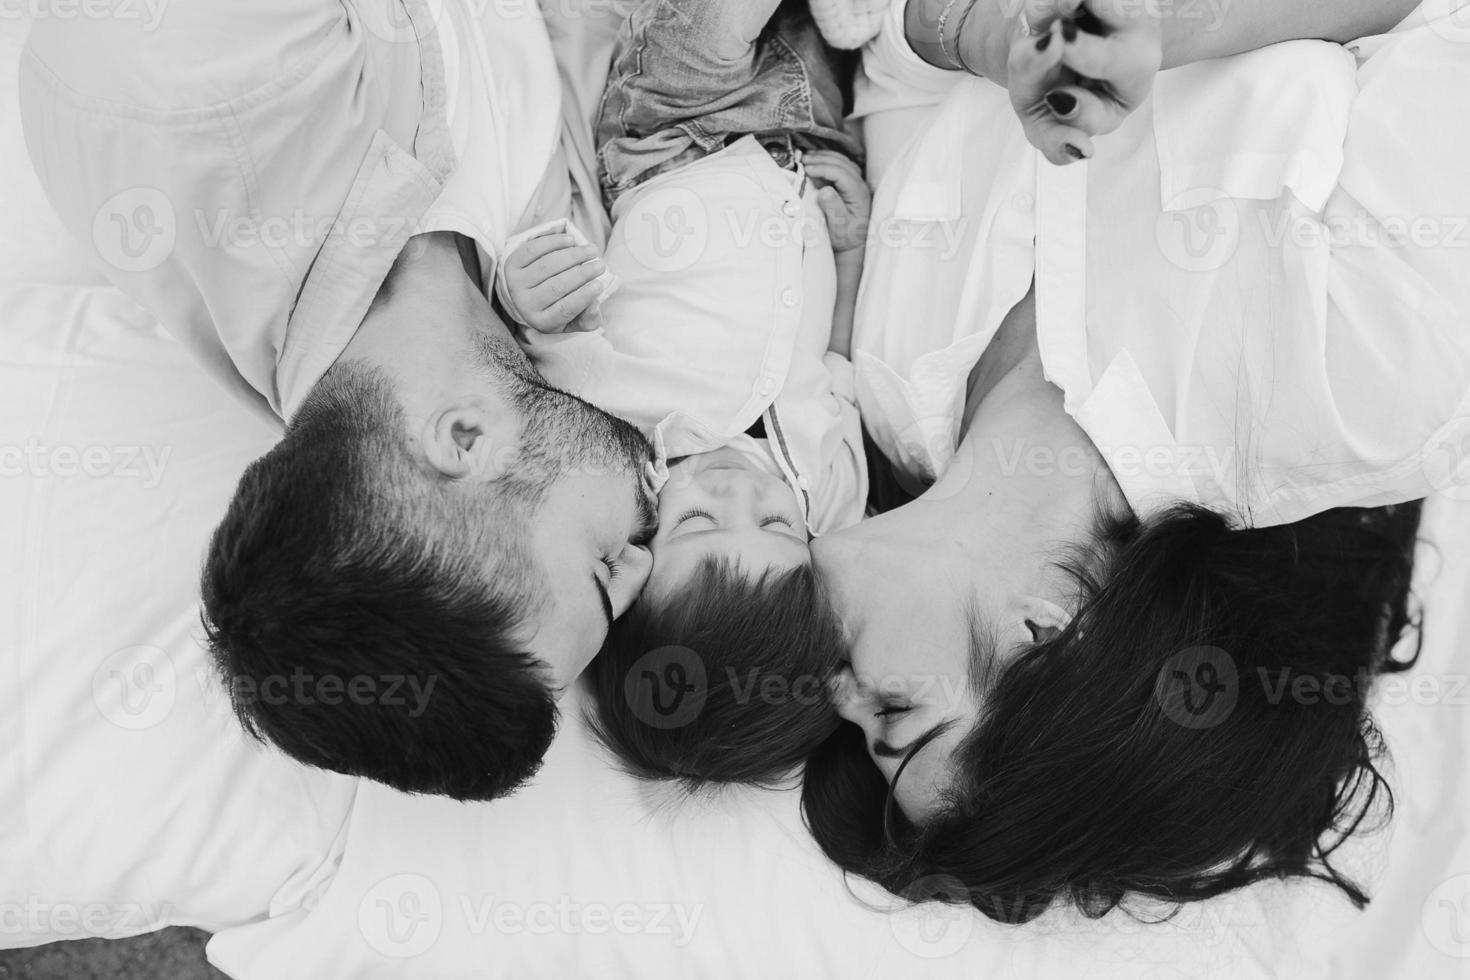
[(804, 483), (788, 297), (767, 386), (790, 209)]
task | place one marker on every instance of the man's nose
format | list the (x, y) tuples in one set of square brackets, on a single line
[(640, 565)]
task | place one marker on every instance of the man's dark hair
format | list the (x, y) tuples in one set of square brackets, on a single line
[(364, 614), (722, 680), (1201, 725)]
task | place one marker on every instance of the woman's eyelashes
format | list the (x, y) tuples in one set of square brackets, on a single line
[(891, 709), (615, 566)]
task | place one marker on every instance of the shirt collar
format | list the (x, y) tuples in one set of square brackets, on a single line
[(389, 196)]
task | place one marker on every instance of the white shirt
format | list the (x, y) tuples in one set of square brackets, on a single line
[(722, 316), (1219, 295), (516, 130), (249, 173)]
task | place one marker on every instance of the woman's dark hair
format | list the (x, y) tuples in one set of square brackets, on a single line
[(1199, 726), (724, 680)]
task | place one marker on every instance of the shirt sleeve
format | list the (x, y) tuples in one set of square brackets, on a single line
[(893, 76), (186, 160), (1398, 303), (896, 93)]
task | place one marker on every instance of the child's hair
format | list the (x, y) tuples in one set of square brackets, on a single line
[(724, 680)]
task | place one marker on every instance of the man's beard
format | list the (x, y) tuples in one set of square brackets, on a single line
[(561, 434)]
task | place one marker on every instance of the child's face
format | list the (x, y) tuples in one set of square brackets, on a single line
[(725, 504)]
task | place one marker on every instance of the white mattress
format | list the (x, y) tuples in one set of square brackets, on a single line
[(132, 802)]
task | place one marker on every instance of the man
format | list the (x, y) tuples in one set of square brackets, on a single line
[(314, 196)]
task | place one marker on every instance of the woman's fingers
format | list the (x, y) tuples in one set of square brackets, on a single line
[(1112, 17), (1126, 61), (1035, 69), (1033, 58), (1093, 66), (1085, 110)]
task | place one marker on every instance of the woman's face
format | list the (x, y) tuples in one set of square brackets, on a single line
[(906, 600), (937, 595)]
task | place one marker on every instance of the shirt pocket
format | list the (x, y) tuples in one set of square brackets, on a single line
[(1254, 125)]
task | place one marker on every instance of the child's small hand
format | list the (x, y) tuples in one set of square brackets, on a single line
[(844, 197), (552, 281)]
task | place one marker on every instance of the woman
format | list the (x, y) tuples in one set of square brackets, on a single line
[(1094, 657)]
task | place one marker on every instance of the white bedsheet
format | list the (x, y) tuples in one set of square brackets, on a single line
[(736, 889), (131, 798)]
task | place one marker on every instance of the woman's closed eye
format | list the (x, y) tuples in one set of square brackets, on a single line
[(892, 709), (770, 519)]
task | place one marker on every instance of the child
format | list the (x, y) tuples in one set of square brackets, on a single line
[(719, 322)]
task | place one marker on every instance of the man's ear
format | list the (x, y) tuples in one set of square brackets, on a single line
[(1040, 619), (471, 440)]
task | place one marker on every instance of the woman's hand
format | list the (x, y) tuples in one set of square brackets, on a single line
[(1074, 68), (1092, 65)]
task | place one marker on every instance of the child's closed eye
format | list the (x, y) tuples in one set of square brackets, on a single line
[(693, 513)]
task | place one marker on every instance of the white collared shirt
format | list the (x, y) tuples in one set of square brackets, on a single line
[(722, 316), (1255, 297), (249, 174)]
